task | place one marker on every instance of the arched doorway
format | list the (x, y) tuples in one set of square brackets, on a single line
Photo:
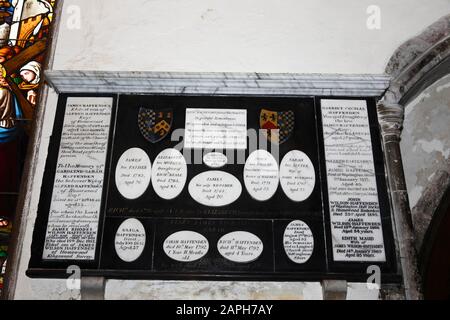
[(420, 82), (435, 256)]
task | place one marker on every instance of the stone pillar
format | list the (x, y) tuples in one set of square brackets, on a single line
[(92, 288), (334, 289), (390, 118)]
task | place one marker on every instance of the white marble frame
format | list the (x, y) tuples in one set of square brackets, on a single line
[(187, 83)]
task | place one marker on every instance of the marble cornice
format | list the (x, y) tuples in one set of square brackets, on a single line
[(218, 83)]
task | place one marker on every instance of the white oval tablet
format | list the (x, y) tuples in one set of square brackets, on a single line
[(130, 240), (133, 172), (186, 246), (215, 188), (261, 175), (240, 246), (169, 174), (298, 241), (297, 175), (215, 159)]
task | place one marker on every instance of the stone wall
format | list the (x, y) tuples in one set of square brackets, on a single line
[(425, 149)]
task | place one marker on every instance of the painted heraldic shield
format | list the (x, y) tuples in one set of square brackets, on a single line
[(155, 124), (278, 125)]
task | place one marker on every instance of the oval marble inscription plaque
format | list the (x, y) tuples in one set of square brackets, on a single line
[(240, 246), (215, 159), (169, 174), (298, 241), (215, 188), (297, 175), (133, 172), (186, 246), (261, 175), (130, 240)]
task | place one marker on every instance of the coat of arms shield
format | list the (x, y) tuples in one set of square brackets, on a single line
[(155, 124), (278, 125)]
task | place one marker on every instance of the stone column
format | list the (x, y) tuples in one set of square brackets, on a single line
[(334, 289), (390, 118), (92, 288)]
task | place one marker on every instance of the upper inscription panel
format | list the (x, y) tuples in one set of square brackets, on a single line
[(216, 128)]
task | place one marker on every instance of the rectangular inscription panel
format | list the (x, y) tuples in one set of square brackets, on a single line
[(352, 190), (77, 191), (216, 128)]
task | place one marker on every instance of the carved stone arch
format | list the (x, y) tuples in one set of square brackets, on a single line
[(419, 62), (431, 216), (415, 65)]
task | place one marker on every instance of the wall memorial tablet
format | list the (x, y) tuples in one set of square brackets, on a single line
[(240, 246), (261, 175), (215, 160), (215, 188), (352, 188), (186, 246), (315, 204), (298, 241), (169, 173), (133, 172), (130, 240), (77, 191), (297, 175)]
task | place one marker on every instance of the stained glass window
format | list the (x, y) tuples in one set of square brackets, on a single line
[(24, 31)]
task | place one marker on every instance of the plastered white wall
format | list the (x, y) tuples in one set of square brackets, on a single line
[(299, 36)]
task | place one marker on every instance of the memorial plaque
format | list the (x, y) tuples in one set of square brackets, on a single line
[(77, 191), (215, 160), (133, 172), (130, 240), (215, 188), (352, 188), (297, 175), (329, 219), (186, 246), (169, 173), (127, 243), (240, 246), (298, 241), (216, 128), (257, 231), (261, 175)]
